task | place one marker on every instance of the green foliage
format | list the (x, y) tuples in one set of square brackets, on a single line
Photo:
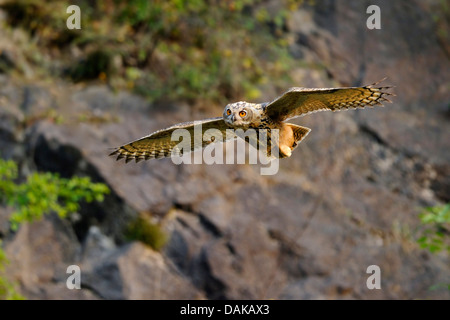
[(202, 50), (163, 49), (435, 229), (43, 193), (440, 286), (150, 234), (7, 289), (97, 64), (41, 21), (40, 194)]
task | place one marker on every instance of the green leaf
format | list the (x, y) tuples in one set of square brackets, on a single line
[(434, 233), (43, 193)]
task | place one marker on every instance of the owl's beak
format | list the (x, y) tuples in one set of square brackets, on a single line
[(230, 119)]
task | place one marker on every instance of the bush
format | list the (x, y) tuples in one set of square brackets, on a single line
[(148, 233), (175, 49), (43, 193), (7, 289), (435, 229)]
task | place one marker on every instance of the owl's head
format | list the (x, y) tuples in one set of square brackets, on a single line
[(241, 114)]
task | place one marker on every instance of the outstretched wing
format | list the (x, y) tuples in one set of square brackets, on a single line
[(298, 102), (169, 142)]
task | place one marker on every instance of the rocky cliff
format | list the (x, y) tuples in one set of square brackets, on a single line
[(348, 198)]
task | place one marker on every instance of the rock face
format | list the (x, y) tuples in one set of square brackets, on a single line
[(347, 199), (137, 272)]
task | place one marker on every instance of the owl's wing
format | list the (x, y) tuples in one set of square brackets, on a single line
[(298, 102), (172, 141)]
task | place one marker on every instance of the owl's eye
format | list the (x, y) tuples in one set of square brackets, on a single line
[(242, 113), (228, 112)]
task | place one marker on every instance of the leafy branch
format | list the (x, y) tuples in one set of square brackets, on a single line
[(41, 193), (435, 228)]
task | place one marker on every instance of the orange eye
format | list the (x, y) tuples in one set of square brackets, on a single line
[(242, 113), (228, 112)]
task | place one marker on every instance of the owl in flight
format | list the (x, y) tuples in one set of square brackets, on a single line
[(295, 102)]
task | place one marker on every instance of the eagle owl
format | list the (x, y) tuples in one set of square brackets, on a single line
[(295, 102)]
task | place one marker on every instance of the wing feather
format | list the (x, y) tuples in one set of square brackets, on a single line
[(297, 102), (161, 144)]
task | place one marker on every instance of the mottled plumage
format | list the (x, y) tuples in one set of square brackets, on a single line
[(293, 103)]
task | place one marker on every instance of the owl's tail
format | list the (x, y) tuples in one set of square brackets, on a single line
[(299, 132), (290, 137)]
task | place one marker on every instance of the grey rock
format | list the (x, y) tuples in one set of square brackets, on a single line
[(348, 198), (96, 246), (39, 255), (5, 213), (6, 61), (136, 272)]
